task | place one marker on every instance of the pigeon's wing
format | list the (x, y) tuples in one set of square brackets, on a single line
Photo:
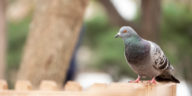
[(158, 58)]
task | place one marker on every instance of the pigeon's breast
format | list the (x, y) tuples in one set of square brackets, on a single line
[(137, 53)]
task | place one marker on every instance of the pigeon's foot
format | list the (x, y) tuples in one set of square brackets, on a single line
[(153, 81), (136, 81)]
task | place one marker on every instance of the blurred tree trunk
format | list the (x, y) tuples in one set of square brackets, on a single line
[(2, 38), (150, 19), (51, 41)]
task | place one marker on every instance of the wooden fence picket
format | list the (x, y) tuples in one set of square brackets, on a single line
[(50, 88)]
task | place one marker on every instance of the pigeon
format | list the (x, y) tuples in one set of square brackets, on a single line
[(145, 57)]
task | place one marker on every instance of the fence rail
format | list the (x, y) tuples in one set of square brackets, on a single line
[(50, 88)]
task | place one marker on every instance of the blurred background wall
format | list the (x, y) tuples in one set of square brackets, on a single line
[(166, 22)]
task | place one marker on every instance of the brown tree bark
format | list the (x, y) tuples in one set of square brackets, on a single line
[(150, 19), (2, 38), (51, 41)]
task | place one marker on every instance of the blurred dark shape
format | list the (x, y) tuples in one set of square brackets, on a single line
[(73, 63), (72, 69)]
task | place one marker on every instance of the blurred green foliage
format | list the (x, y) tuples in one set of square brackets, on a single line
[(17, 33)]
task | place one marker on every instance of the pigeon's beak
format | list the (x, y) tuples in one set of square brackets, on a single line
[(117, 35)]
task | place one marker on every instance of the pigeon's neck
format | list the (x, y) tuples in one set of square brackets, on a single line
[(135, 39)]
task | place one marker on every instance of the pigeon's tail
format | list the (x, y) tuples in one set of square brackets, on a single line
[(166, 78)]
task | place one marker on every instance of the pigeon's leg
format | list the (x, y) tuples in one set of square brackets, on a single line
[(136, 81), (153, 81)]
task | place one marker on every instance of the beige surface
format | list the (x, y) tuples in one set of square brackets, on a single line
[(23, 85), (113, 89)]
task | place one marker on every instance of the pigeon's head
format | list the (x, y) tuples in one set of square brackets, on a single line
[(125, 32)]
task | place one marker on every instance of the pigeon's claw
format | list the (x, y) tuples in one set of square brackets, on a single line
[(153, 81), (136, 81)]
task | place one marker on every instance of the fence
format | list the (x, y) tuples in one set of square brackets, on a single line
[(50, 88)]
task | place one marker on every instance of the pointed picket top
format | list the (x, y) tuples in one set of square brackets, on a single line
[(48, 85), (3, 85), (72, 86), (23, 85)]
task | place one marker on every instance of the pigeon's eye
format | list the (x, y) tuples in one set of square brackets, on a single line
[(124, 31)]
